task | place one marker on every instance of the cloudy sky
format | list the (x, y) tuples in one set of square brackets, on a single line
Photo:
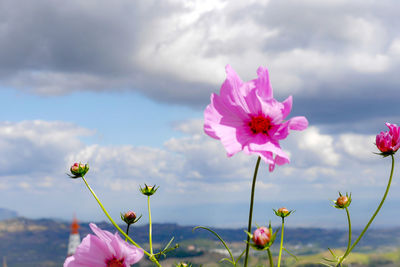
[(123, 85)]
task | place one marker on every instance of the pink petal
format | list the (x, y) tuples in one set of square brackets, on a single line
[(130, 253), (282, 132), (104, 235), (263, 84), (298, 123), (273, 110), (269, 146), (92, 252), (70, 262), (287, 107), (278, 160)]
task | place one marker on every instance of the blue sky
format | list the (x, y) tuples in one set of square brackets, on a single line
[(123, 86)]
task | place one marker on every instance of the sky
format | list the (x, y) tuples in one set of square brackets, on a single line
[(123, 85)]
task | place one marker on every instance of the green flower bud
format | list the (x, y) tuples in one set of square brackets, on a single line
[(148, 190), (283, 212)]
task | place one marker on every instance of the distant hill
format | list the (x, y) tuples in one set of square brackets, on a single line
[(7, 214), (43, 242)]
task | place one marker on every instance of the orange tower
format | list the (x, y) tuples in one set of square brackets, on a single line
[(74, 238)]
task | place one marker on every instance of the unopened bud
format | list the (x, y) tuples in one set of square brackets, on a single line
[(148, 190), (343, 201), (283, 212), (130, 217), (261, 236), (79, 170)]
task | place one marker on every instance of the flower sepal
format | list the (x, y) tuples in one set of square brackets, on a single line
[(262, 238), (343, 201), (148, 190), (283, 212), (78, 170)]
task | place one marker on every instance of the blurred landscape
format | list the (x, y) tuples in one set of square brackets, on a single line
[(43, 243)]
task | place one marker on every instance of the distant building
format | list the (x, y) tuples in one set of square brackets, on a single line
[(74, 238), (4, 261)]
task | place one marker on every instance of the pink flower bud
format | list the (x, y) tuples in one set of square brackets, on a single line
[(389, 142), (261, 236), (75, 167), (79, 170)]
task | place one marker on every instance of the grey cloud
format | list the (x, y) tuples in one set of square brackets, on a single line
[(338, 59)]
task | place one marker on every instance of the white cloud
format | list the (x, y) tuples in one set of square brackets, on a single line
[(33, 146), (194, 165), (358, 146), (321, 146)]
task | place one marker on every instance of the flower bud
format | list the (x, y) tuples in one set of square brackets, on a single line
[(342, 201), (183, 264), (261, 236), (148, 190), (130, 217), (283, 212), (78, 170), (389, 142)]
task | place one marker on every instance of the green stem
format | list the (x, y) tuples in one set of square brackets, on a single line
[(373, 216), (150, 232), (349, 221), (111, 220), (271, 262), (127, 231), (251, 210), (280, 249)]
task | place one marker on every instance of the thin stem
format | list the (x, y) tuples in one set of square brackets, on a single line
[(127, 231), (271, 262), (373, 216), (111, 220), (280, 249), (251, 210), (150, 242), (349, 222)]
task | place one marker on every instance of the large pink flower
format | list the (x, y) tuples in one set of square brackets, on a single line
[(104, 250), (245, 116)]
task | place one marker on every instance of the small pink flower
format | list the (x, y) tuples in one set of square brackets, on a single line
[(261, 236), (389, 142), (245, 116), (104, 250)]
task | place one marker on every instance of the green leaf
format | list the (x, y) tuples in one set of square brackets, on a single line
[(220, 238), (287, 251)]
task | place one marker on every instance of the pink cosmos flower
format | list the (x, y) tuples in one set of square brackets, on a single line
[(245, 116), (389, 142), (104, 250)]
